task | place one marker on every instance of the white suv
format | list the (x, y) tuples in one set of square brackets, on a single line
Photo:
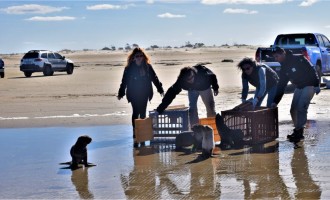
[(45, 61)]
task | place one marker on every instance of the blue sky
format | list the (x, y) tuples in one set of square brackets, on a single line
[(87, 24)]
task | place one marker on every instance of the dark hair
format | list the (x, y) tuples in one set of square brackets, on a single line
[(278, 50), (245, 61), (185, 72)]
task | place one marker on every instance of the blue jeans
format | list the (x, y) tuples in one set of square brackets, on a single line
[(207, 98), (271, 95), (299, 106)]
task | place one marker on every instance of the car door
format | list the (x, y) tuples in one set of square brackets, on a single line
[(324, 53), (327, 51), (61, 63), (52, 60)]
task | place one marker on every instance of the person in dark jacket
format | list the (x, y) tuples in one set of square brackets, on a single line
[(299, 71), (137, 83), (197, 80), (262, 77)]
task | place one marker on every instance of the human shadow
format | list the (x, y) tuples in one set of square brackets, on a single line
[(306, 187)]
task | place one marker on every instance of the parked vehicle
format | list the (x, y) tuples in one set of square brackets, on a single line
[(45, 61), (2, 68), (314, 46)]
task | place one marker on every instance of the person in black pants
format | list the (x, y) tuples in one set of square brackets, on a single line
[(299, 71), (137, 84)]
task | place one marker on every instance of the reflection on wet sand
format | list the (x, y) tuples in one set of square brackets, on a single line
[(79, 179), (305, 186), (249, 173)]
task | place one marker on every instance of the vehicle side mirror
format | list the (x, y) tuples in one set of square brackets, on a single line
[(63, 57)]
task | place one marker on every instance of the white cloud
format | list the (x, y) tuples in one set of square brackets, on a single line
[(308, 3), (239, 11), (169, 15), (214, 2), (32, 8), (108, 7), (55, 18)]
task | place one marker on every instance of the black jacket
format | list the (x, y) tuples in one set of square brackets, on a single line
[(299, 71), (138, 85), (204, 79)]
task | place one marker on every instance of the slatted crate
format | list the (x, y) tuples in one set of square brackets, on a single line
[(259, 125), (170, 123)]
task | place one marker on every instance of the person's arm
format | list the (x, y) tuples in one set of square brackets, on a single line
[(283, 81), (245, 88), (156, 81), (169, 96), (262, 83), (123, 85)]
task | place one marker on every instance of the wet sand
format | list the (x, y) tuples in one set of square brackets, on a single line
[(31, 170), (41, 118)]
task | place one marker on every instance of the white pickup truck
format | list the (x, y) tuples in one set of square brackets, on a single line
[(314, 46)]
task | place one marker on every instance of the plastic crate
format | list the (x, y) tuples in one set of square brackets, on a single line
[(170, 123), (259, 125)]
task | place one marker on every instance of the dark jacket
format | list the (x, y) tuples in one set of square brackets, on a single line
[(271, 79), (299, 71), (138, 85), (204, 79)]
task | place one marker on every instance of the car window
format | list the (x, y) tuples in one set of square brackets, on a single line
[(31, 55), (58, 56), (51, 56), (319, 37), (326, 41), (44, 55)]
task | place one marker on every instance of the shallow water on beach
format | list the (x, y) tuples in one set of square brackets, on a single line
[(31, 156)]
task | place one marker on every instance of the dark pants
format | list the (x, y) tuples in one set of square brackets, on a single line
[(139, 106)]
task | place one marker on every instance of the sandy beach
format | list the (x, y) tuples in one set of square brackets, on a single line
[(42, 116)]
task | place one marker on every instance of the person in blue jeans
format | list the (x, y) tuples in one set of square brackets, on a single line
[(262, 77), (198, 81), (301, 72)]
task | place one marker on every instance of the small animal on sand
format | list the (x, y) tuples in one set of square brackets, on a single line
[(230, 138), (207, 139), (78, 152)]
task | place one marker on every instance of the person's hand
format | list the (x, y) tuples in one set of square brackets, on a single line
[(216, 92), (317, 90), (273, 105), (162, 94), (118, 97)]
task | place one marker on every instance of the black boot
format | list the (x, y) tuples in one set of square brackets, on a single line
[(136, 144), (297, 135)]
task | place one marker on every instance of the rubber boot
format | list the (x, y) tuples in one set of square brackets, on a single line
[(297, 135)]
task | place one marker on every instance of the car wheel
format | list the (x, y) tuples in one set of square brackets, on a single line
[(2, 74), (48, 71), (319, 71), (69, 68), (27, 74)]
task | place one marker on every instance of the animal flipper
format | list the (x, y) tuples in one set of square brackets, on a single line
[(66, 163)]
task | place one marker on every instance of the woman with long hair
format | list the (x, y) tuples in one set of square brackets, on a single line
[(137, 84)]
